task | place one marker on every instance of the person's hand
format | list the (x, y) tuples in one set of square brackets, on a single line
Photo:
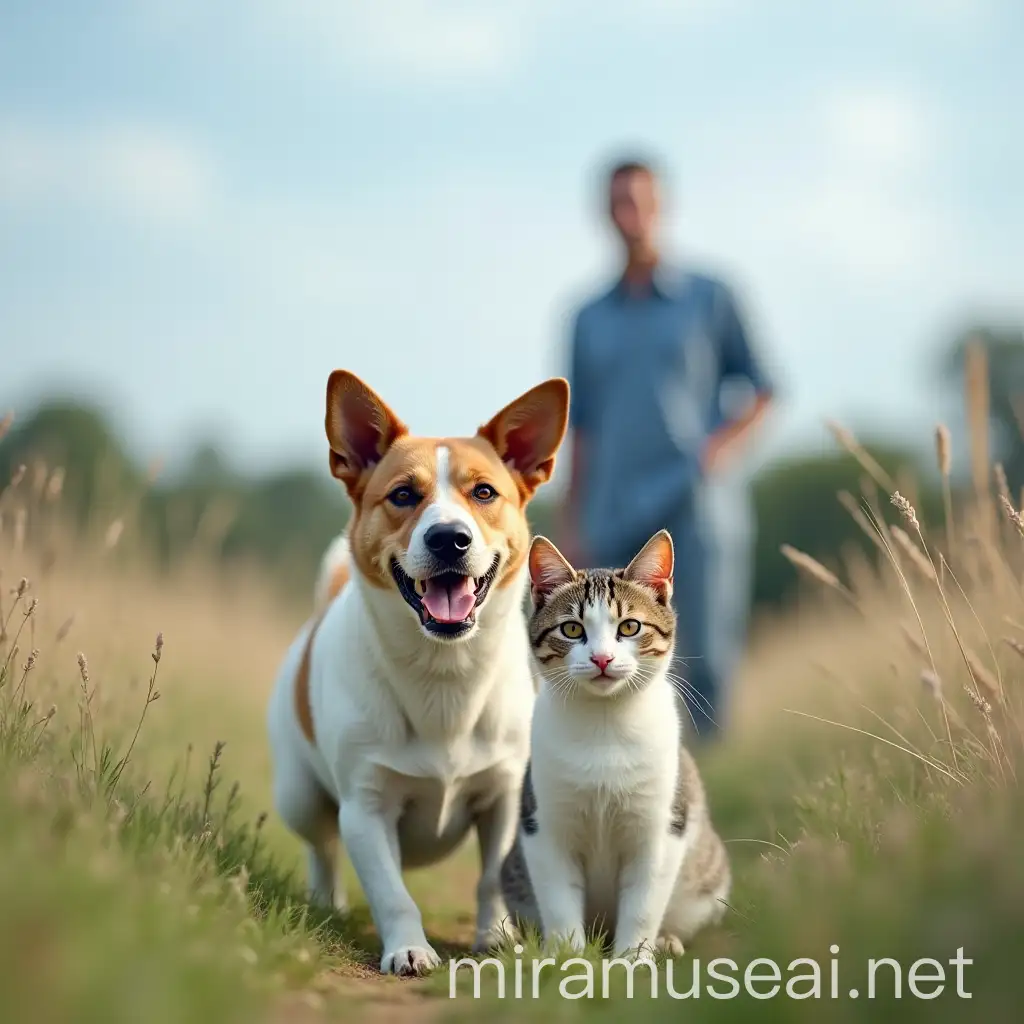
[(714, 455)]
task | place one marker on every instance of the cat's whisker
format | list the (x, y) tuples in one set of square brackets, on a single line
[(680, 681), (684, 689), (682, 686), (688, 710)]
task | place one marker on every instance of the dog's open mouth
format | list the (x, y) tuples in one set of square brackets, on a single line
[(447, 602)]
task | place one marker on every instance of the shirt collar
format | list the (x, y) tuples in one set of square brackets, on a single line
[(666, 282)]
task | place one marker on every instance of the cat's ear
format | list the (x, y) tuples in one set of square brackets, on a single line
[(548, 569), (654, 565)]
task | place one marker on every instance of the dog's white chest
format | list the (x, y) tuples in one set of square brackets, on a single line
[(437, 809)]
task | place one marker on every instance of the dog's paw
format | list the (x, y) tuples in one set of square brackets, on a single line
[(409, 961), (670, 945)]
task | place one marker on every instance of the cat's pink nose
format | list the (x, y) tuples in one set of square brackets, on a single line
[(602, 661)]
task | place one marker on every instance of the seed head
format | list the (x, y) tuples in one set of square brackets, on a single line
[(1014, 644), (811, 566), (943, 449), (1012, 514), (83, 667), (978, 701), (158, 648), (113, 534), (55, 484), (905, 509), (931, 682)]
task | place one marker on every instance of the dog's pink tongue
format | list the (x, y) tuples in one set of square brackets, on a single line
[(450, 602)]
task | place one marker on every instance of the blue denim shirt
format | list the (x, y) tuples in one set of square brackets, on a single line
[(647, 375)]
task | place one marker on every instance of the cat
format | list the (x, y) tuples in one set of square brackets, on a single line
[(615, 836)]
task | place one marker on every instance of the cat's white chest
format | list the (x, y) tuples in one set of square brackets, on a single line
[(606, 778)]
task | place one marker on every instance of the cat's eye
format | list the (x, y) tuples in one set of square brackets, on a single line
[(404, 497), (484, 493), (572, 630), (629, 627)]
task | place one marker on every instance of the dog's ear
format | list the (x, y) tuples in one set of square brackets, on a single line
[(360, 428), (549, 570), (527, 432), (654, 565)]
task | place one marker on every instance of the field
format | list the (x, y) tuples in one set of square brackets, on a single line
[(868, 791)]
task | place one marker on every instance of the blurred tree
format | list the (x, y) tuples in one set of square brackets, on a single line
[(1004, 350), (208, 468), (79, 439), (796, 503), (289, 518)]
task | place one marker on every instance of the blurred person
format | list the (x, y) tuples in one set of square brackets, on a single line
[(665, 386)]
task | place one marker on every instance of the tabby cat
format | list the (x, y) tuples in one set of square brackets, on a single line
[(614, 837)]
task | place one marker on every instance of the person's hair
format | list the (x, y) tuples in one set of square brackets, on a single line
[(632, 165)]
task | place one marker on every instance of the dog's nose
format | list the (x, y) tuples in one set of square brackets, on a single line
[(448, 542)]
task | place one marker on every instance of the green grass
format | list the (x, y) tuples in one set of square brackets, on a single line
[(125, 900)]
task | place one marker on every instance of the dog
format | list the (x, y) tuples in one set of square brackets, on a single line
[(400, 718)]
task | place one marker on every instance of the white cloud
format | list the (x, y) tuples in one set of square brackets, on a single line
[(874, 236), (139, 169), (455, 41), (866, 206), (877, 130), (410, 39)]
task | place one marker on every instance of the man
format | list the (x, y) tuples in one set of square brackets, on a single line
[(651, 427)]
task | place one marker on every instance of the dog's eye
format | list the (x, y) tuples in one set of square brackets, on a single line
[(572, 630), (484, 493), (404, 497), (629, 627)]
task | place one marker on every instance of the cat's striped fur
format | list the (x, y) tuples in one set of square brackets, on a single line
[(615, 834)]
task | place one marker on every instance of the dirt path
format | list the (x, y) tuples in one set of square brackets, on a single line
[(373, 999)]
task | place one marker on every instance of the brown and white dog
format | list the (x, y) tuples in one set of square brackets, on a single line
[(401, 714)]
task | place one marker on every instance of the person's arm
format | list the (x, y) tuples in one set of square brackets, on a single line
[(738, 362), (569, 525)]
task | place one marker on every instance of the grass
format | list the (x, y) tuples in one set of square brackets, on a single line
[(867, 789)]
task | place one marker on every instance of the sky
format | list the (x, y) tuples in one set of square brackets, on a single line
[(208, 205)]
